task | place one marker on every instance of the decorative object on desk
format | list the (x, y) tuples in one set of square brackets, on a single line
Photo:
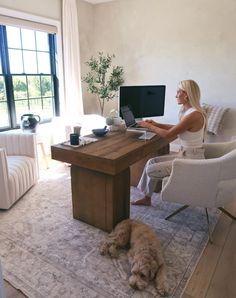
[(102, 80), (64, 260), (77, 129), (29, 122), (74, 139), (115, 122), (82, 142), (100, 132)]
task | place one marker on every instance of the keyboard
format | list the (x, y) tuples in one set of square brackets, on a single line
[(147, 135), (137, 129)]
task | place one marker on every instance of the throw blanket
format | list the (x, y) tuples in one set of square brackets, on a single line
[(215, 115)]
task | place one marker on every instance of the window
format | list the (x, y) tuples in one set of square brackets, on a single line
[(28, 79)]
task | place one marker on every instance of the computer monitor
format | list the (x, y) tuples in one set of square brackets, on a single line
[(144, 101)]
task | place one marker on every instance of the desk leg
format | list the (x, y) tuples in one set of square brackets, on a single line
[(100, 199)]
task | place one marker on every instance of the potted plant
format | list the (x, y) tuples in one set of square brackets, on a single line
[(103, 79)]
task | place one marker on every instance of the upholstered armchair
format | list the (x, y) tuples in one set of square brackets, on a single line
[(207, 183), (18, 166)]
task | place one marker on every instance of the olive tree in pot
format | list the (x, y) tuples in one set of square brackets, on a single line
[(103, 79)]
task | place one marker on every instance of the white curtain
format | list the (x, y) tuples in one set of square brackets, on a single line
[(71, 59)]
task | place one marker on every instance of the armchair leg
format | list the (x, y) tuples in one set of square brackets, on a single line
[(176, 211), (208, 225), (227, 213)]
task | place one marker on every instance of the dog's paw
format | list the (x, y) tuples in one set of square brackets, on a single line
[(109, 249), (103, 249), (162, 291), (113, 251), (137, 283)]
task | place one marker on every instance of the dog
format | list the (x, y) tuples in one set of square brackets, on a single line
[(145, 255)]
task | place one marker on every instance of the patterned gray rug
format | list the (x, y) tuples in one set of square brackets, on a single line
[(46, 253)]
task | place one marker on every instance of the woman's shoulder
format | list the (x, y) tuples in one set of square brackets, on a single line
[(189, 111)]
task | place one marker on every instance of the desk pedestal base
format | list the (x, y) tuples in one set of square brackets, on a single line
[(99, 199)]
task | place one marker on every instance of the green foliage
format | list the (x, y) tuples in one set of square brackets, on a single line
[(44, 86), (20, 86), (2, 90), (103, 79)]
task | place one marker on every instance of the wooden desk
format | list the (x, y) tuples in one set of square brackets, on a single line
[(100, 175)]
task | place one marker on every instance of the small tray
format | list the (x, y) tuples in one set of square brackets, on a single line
[(82, 142)]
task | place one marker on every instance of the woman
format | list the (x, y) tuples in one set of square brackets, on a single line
[(190, 131)]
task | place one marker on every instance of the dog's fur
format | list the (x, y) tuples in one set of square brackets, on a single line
[(145, 254)]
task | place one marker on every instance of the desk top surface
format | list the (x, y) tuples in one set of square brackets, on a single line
[(111, 153)]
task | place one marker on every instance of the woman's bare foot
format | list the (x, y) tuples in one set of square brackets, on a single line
[(146, 201)]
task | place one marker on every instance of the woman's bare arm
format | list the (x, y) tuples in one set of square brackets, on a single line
[(160, 125), (189, 122)]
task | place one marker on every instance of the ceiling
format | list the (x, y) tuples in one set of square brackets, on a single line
[(97, 1)]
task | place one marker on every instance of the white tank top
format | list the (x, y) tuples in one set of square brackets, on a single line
[(189, 139)]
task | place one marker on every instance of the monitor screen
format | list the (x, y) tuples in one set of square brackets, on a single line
[(144, 101)]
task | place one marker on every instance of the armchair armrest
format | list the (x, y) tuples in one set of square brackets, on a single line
[(213, 150), (19, 143), (193, 182), (4, 174)]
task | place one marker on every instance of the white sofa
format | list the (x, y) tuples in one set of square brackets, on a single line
[(18, 166)]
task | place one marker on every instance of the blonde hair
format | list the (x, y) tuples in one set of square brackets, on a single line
[(193, 92)]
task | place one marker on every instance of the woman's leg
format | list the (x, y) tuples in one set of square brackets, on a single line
[(155, 169)]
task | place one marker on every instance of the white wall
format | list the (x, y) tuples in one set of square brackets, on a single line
[(158, 42), (165, 41), (86, 36), (44, 8)]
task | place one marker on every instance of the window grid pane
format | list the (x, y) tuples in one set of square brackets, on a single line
[(30, 61), (44, 63), (33, 94), (20, 87), (16, 62), (28, 39), (0, 65), (13, 37), (4, 118), (42, 41), (3, 96)]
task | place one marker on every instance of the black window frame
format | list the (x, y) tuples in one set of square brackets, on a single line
[(8, 78)]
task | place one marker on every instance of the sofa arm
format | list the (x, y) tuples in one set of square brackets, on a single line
[(4, 174), (19, 143)]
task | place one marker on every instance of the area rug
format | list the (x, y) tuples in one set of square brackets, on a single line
[(46, 253)]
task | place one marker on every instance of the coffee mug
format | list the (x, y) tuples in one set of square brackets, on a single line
[(77, 129), (74, 139)]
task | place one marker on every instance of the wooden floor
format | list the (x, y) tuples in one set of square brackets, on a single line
[(215, 274)]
